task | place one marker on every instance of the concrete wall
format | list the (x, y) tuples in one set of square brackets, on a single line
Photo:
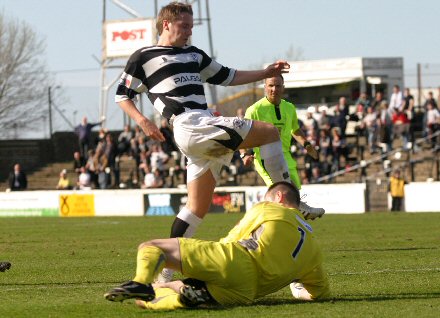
[(36, 153)]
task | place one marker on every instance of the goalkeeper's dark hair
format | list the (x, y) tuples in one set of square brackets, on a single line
[(290, 191)]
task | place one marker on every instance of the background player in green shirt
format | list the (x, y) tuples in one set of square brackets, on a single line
[(282, 114)]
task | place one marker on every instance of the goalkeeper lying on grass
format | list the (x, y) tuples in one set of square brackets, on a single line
[(271, 247)]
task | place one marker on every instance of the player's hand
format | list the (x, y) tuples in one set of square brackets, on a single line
[(277, 68), (151, 130), (247, 160), (311, 151)]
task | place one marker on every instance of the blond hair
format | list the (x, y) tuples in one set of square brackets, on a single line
[(171, 13)]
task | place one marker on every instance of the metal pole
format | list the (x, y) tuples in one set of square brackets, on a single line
[(211, 48), (50, 112), (419, 83)]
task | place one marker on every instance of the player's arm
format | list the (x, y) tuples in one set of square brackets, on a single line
[(301, 138), (245, 77), (149, 128), (247, 155)]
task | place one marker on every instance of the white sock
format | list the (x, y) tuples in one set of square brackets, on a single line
[(191, 219), (274, 162)]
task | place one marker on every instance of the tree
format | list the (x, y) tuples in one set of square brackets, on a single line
[(23, 77)]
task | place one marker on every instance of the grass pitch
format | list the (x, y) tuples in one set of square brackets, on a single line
[(380, 265)]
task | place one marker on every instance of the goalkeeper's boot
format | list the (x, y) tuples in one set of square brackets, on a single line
[(192, 296), (310, 213), (130, 290), (4, 266)]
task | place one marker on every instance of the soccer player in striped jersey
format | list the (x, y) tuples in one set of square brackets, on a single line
[(172, 74)]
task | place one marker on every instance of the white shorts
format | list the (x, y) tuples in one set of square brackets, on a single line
[(207, 141)]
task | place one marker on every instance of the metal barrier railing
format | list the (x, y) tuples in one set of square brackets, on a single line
[(363, 164)]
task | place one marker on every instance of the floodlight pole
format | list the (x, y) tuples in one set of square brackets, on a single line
[(49, 97)]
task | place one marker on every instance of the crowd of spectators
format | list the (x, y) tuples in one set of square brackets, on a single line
[(157, 164), (379, 121)]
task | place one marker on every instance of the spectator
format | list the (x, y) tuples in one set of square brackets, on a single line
[(396, 101), (153, 179), (102, 168), (158, 158), (338, 148), (369, 123), (432, 122), (377, 101), (143, 165), (385, 127), (100, 139), (303, 176), (340, 116), (408, 103), (310, 123), (397, 190), (364, 101), (401, 126), (78, 162), (343, 107), (124, 140), (92, 166), (110, 152), (83, 132), (324, 144), (430, 99), (324, 121), (137, 132), (84, 181), (17, 179), (168, 145), (64, 182), (316, 174)]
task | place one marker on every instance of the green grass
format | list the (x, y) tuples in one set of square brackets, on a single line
[(380, 265)]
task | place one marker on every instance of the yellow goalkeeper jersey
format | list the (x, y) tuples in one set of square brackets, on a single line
[(283, 248)]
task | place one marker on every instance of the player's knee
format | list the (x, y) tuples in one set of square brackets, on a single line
[(268, 132), (147, 243)]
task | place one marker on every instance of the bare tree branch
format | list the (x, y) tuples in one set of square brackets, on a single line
[(23, 76)]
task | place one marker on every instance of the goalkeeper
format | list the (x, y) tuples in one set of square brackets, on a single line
[(271, 247)]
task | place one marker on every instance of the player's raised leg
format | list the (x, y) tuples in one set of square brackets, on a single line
[(266, 137)]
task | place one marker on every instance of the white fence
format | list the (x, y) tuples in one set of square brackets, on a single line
[(335, 198)]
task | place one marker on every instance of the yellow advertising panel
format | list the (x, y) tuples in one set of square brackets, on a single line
[(77, 205)]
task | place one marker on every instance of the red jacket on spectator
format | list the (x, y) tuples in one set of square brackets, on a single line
[(400, 118)]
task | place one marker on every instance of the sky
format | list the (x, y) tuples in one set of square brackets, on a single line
[(245, 34)]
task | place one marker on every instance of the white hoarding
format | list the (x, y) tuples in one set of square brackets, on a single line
[(422, 197), (122, 38), (334, 198)]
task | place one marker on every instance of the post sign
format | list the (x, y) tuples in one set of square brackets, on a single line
[(122, 38)]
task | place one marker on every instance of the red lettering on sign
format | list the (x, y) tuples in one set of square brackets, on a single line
[(136, 34)]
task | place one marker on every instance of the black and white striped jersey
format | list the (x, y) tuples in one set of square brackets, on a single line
[(172, 77)]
